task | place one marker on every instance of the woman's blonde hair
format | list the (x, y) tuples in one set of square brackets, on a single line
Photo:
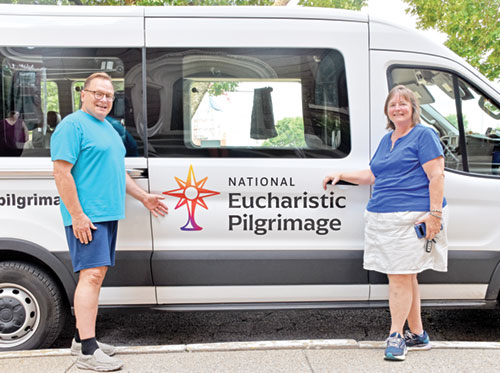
[(409, 96)]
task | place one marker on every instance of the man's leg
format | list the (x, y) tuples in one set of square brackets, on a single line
[(91, 354), (86, 300)]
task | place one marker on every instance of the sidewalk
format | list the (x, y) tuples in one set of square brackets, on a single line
[(276, 356)]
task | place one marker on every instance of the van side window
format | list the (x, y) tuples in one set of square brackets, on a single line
[(469, 127), (40, 86), (247, 102)]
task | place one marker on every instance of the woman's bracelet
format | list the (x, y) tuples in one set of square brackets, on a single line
[(436, 216), (437, 210)]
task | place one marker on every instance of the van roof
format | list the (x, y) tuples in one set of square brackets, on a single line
[(187, 11), (257, 11), (71, 10), (383, 35)]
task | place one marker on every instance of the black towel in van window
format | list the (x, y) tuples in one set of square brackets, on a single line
[(262, 126)]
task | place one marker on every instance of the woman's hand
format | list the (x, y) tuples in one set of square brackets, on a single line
[(334, 178), (432, 226), (359, 177)]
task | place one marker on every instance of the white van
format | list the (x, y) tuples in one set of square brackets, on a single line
[(236, 114)]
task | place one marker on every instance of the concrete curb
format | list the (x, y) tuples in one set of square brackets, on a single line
[(308, 344), (442, 345)]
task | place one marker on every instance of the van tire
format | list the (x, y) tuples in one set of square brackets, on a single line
[(32, 312)]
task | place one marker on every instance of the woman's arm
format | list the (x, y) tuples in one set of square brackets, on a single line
[(434, 170), (361, 177)]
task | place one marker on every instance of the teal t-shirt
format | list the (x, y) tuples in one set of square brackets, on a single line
[(98, 156)]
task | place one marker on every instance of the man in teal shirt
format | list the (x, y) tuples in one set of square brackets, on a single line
[(89, 170)]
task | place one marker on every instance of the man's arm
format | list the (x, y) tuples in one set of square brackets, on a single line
[(67, 190), (151, 201)]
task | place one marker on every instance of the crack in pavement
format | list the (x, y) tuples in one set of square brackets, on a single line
[(308, 362)]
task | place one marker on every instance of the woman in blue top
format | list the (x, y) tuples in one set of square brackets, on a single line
[(407, 174)]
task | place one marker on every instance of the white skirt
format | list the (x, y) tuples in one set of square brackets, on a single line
[(392, 246)]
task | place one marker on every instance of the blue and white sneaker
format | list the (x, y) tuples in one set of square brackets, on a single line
[(396, 347), (417, 341)]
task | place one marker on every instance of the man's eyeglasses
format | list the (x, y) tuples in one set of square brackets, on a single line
[(99, 95)]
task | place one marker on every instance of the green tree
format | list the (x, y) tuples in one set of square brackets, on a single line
[(52, 97), (452, 118), (218, 88), (290, 134), (343, 4), (340, 4), (176, 2), (472, 26)]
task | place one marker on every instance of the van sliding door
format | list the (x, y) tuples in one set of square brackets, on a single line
[(45, 62), (239, 141)]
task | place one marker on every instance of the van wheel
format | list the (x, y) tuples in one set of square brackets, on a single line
[(31, 308)]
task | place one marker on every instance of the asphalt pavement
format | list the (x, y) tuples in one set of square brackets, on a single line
[(340, 355)]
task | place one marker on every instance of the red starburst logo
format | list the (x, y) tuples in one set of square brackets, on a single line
[(191, 193)]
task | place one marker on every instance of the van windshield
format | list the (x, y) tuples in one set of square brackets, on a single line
[(478, 118)]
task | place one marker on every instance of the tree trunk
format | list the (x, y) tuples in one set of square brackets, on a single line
[(197, 96)]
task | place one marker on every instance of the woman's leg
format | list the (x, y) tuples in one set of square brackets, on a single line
[(415, 317), (400, 300)]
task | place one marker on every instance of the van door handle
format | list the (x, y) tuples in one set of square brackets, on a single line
[(138, 173), (342, 182), (27, 174)]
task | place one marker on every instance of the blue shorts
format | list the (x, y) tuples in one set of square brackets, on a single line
[(99, 252)]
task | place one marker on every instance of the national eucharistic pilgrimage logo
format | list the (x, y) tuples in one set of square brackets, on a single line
[(191, 193)]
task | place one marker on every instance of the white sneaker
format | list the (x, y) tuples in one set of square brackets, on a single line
[(98, 361), (76, 348)]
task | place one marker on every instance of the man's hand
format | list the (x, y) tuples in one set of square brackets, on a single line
[(82, 228), (151, 201), (154, 204)]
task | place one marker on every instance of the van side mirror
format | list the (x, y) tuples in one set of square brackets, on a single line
[(489, 108)]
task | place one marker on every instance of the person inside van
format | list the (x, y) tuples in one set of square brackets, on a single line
[(89, 171), (407, 174), (128, 140), (40, 140), (13, 135)]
